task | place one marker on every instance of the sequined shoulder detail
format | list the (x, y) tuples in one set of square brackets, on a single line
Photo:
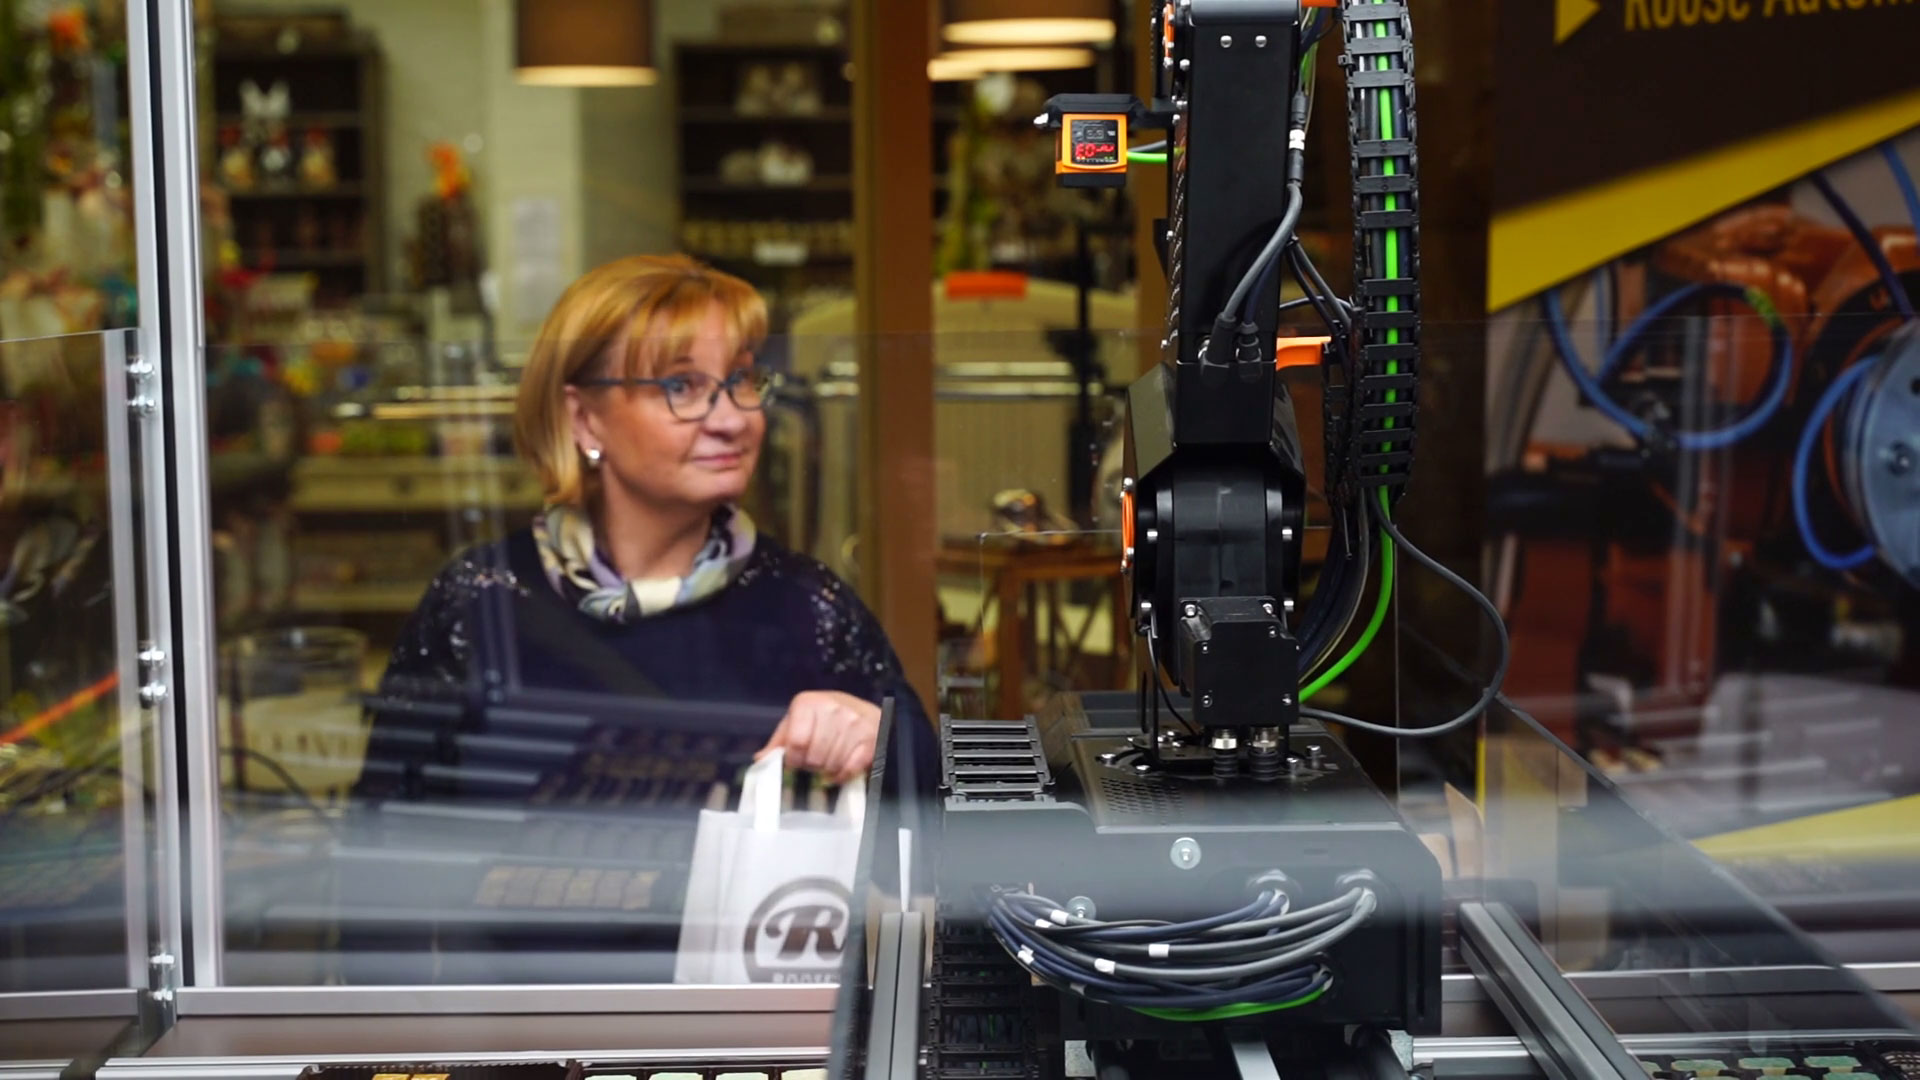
[(436, 645), (853, 649)]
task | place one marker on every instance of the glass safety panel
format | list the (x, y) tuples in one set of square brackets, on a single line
[(1699, 527), (77, 788)]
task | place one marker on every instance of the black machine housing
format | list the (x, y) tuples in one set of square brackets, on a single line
[(1153, 843)]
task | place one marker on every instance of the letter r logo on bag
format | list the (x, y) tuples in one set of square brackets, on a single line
[(797, 933)]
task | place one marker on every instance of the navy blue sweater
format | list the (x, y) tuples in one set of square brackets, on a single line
[(785, 625)]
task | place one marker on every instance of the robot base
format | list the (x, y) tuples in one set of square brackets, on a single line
[(1110, 832)]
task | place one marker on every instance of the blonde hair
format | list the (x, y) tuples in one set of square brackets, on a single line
[(660, 303)]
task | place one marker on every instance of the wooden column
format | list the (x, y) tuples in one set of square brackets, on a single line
[(893, 216)]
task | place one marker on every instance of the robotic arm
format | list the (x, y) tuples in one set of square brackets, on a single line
[(1214, 506), (1239, 865)]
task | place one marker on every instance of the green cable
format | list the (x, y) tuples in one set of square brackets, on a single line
[(1147, 157), (1231, 1012), (1380, 608), (1392, 202)]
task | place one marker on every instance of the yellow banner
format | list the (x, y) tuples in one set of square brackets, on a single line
[(1542, 244)]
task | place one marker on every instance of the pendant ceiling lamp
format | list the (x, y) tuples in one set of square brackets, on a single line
[(584, 42), (961, 65), (1029, 22)]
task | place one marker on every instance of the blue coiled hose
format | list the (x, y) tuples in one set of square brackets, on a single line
[(1629, 340), (1817, 420)]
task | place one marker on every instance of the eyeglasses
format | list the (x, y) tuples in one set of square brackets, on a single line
[(694, 394)]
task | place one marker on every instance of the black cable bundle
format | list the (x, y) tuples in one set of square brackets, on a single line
[(1259, 957), (1342, 586)]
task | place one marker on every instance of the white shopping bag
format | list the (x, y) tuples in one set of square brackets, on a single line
[(767, 890)]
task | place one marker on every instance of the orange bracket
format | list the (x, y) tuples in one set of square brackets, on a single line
[(1291, 352), (985, 285)]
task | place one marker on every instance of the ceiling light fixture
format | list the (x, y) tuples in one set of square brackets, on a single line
[(959, 65), (584, 43), (1028, 22)]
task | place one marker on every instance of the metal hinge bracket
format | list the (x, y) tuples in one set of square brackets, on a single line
[(140, 397), (153, 675)]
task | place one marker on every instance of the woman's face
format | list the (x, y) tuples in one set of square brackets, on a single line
[(653, 456)]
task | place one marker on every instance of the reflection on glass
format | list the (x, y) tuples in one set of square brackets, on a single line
[(63, 855), (72, 842), (1048, 613), (1697, 458), (1656, 936), (291, 709)]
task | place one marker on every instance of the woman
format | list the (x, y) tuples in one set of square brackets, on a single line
[(643, 413)]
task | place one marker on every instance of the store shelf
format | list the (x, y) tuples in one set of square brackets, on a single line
[(758, 48), (423, 485), (338, 191), (57, 486), (713, 185), (304, 260), (333, 83), (721, 114), (749, 259), (301, 121), (334, 51), (368, 599)]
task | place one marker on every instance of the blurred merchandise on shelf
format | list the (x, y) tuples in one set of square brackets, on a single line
[(264, 127), (317, 168), (295, 151), (66, 233), (773, 164), (1003, 205), (236, 160), (790, 89), (768, 243), (766, 161), (286, 34), (807, 22), (52, 432), (445, 249)]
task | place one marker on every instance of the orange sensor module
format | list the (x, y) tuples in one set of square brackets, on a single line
[(1092, 143), (1094, 129)]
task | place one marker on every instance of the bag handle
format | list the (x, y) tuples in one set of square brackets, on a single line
[(760, 791), (763, 786), (852, 804)]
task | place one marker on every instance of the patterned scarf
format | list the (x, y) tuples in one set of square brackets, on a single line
[(582, 573)]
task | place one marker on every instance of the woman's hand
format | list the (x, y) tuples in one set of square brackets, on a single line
[(829, 733)]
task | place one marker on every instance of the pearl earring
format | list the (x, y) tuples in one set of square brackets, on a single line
[(593, 456)]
